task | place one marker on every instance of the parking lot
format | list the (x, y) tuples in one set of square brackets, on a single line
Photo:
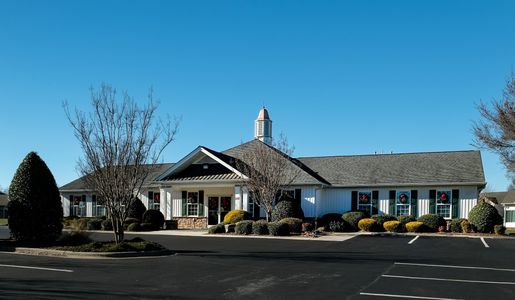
[(364, 267)]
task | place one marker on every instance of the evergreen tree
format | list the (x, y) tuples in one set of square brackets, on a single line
[(35, 209)]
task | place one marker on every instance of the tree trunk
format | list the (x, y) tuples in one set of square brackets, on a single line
[(117, 230)]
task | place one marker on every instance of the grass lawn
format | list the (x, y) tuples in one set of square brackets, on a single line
[(3, 221)]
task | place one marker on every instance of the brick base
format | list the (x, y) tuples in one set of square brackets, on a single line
[(191, 222)]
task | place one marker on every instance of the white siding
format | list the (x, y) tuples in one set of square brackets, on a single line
[(307, 201), (384, 206), (176, 203), (333, 200), (66, 205)]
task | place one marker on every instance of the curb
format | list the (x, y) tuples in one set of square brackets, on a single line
[(87, 255)]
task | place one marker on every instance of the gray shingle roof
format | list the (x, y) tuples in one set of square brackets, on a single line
[(501, 197), (197, 172), (79, 184), (433, 168), (3, 199)]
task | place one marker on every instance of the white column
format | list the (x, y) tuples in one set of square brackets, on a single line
[(245, 198), (237, 197), (162, 201)]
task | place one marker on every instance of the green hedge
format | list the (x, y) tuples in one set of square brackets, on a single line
[(352, 218), (278, 228), (483, 217), (295, 224), (244, 227), (260, 227), (432, 222)]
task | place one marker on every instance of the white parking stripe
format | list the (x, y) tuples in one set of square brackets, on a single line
[(413, 240), (449, 279), (405, 296), (455, 267), (484, 243), (36, 268)]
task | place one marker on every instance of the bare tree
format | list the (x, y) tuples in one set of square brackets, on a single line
[(120, 142), (496, 130), (270, 169)]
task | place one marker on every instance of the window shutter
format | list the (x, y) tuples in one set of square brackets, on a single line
[(375, 202), (391, 206), (432, 201), (201, 203), (414, 202), (455, 203), (298, 196), (354, 200), (184, 203)]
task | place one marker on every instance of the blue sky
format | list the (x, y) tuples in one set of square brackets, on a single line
[(339, 77)]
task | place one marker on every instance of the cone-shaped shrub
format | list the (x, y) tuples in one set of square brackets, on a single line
[(136, 209), (35, 209)]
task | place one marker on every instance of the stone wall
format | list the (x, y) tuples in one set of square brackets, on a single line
[(191, 222)]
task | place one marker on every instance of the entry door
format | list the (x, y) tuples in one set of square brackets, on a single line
[(212, 210), (225, 207)]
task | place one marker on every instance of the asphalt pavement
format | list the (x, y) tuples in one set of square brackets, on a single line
[(364, 267)]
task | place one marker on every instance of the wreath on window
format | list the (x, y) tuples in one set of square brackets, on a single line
[(443, 197), (364, 198), (403, 198)]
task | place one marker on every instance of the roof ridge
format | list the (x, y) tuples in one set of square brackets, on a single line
[(389, 154)]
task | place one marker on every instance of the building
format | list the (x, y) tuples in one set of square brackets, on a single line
[(505, 204), (4, 200), (202, 187)]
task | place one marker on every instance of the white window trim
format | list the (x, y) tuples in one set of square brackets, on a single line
[(449, 203), (398, 203), (370, 209)]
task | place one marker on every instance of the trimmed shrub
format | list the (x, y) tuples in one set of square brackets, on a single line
[(307, 227), (94, 224), (148, 227), (393, 226), (154, 217), (230, 228), (499, 229), (219, 228), (260, 227), (353, 218), (294, 224), (368, 224), (35, 209), (278, 228), (432, 222), (328, 218), (483, 217), (74, 238), (107, 225), (129, 221), (380, 219), (243, 227), (456, 225), (338, 226), (406, 219), (415, 226), (287, 209), (136, 209), (465, 226), (134, 227), (237, 215)]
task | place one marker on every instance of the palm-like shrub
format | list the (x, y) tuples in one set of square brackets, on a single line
[(35, 209), (237, 215), (483, 217)]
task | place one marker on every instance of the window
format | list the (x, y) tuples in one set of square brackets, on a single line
[(402, 203), (365, 202), (154, 200), (510, 216), (78, 205), (193, 204), (99, 209), (443, 204)]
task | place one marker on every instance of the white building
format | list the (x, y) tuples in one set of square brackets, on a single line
[(204, 185)]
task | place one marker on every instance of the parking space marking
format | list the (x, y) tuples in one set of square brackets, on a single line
[(405, 296), (484, 243), (453, 266), (36, 268), (449, 279), (413, 240)]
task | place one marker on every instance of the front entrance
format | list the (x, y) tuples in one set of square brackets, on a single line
[(218, 207)]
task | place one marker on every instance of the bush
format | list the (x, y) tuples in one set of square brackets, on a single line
[(35, 209), (78, 224), (381, 219), (353, 218), (136, 209), (73, 238), (499, 229), (243, 227), (260, 227), (237, 215), (465, 226), (129, 221), (338, 226), (134, 227), (415, 226), (326, 219), (229, 228), (107, 225), (294, 224), (432, 222), (456, 225), (148, 227), (94, 224), (219, 228), (393, 226), (278, 228), (287, 209), (307, 227), (406, 219), (154, 217), (368, 224), (483, 217)]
